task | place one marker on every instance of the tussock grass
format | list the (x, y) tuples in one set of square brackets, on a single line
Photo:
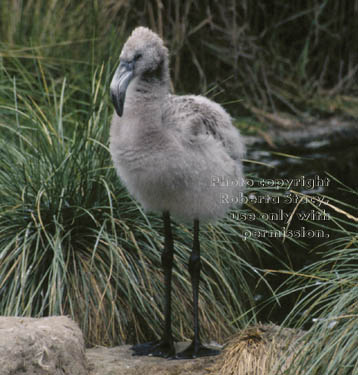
[(258, 350), (324, 320), (327, 299)]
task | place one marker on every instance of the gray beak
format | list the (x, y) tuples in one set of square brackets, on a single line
[(119, 84)]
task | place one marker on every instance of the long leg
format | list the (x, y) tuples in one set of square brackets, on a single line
[(167, 264), (196, 348), (165, 346)]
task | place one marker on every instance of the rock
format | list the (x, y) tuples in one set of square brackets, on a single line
[(323, 135), (30, 346), (119, 361)]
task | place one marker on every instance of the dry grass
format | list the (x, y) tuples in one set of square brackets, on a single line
[(258, 350)]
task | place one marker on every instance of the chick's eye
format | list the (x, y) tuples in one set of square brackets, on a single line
[(137, 56)]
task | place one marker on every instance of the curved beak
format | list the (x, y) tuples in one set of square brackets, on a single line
[(119, 84)]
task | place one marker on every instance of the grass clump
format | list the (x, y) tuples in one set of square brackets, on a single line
[(327, 299), (257, 350)]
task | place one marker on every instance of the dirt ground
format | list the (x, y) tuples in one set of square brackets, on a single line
[(119, 361)]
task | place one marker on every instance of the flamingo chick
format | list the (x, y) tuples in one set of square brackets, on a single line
[(177, 155)]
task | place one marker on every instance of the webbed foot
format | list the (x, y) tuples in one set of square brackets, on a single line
[(196, 350), (160, 348)]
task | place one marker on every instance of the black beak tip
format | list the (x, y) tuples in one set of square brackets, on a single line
[(119, 84), (117, 104)]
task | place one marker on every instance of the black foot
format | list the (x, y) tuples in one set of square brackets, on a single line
[(160, 348), (195, 351)]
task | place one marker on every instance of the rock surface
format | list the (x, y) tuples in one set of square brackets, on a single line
[(51, 345)]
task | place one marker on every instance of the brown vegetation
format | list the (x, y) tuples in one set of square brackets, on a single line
[(258, 350)]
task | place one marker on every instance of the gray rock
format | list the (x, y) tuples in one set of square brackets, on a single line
[(30, 346)]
